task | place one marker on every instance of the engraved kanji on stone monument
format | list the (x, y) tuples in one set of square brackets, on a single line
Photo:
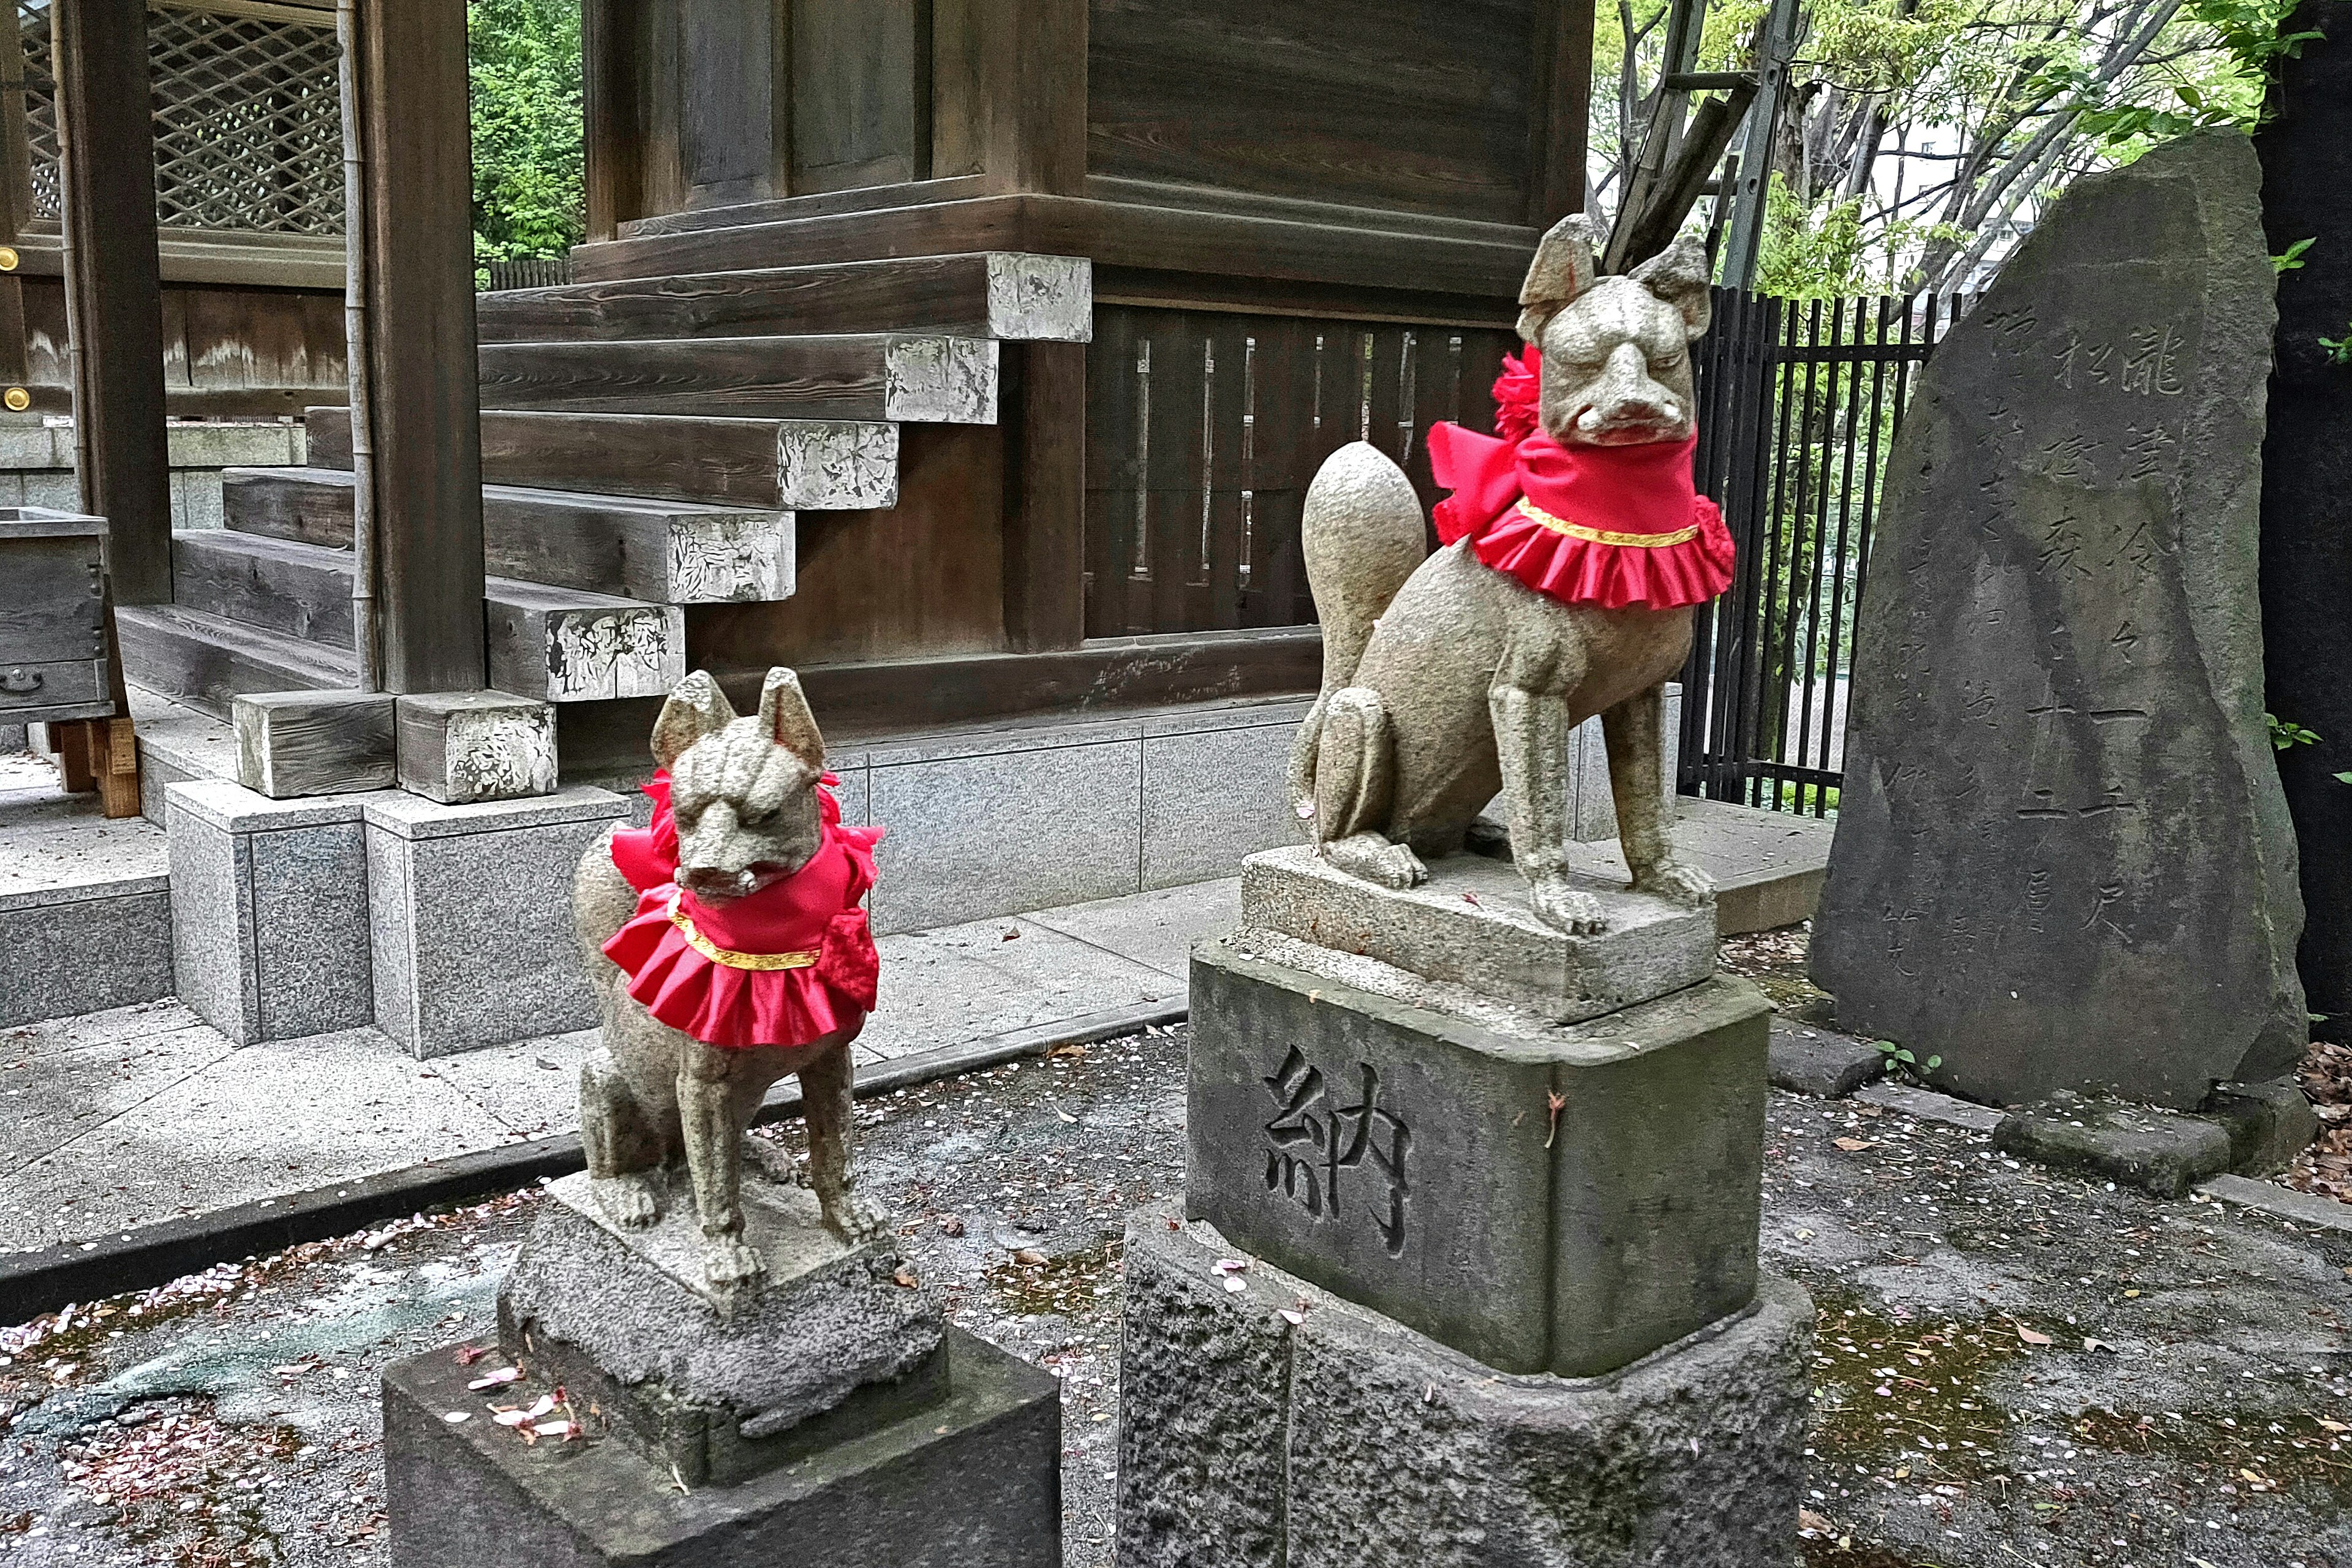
[(1311, 1140)]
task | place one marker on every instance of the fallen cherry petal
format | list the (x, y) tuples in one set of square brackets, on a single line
[(555, 1428), (1231, 1265), (468, 1355), (454, 1417), (546, 1404), (1293, 1319), (511, 1417), (1234, 1283), (502, 1376)]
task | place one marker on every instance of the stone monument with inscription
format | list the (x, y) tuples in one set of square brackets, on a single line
[(2063, 860), (1465, 1270)]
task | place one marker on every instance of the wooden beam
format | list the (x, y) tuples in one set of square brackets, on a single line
[(418, 450), (1045, 496), (614, 138), (1560, 109), (113, 291), (1008, 86)]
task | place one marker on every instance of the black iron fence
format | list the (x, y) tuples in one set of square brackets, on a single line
[(528, 272), (1799, 402)]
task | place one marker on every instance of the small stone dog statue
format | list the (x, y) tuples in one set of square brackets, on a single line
[(727, 948), (1448, 675)]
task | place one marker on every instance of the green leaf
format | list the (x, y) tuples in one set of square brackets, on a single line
[(2344, 778), (2291, 258)]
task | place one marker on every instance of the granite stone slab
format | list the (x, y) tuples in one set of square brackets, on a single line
[(1470, 928), (722, 1386), (1281, 1426), (972, 1481), (48, 937), (1212, 797), (1560, 1198), (2063, 858)]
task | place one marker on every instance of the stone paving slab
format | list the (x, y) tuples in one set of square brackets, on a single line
[(142, 1114)]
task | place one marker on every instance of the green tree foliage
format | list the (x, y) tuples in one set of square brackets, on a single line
[(1920, 137), (529, 194)]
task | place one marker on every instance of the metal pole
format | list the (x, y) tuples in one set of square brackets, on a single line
[(366, 641)]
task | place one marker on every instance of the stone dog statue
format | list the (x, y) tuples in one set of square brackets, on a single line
[(727, 948), (1447, 676)]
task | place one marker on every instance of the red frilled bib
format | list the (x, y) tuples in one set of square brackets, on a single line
[(789, 964), (1611, 526)]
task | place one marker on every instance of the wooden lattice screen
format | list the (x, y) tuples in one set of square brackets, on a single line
[(248, 131)]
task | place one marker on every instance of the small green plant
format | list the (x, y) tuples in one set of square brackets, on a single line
[(2291, 258), (2286, 736), (1901, 1063), (2340, 350)]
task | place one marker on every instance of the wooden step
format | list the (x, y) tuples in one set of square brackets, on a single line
[(276, 584), (672, 552), (906, 378), (565, 646), (779, 465), (205, 660), (984, 294)]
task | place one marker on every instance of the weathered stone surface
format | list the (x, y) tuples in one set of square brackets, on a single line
[(2166, 1153), (1345, 1439), (1559, 1198), (1821, 1062), (972, 1482), (2305, 144), (2063, 857), (2268, 1124), (1472, 925), (719, 1389)]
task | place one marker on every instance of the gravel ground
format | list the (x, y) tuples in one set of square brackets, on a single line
[(2014, 1368)]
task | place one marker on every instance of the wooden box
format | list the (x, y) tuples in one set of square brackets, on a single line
[(53, 623)]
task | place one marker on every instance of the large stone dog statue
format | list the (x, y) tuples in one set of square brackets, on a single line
[(746, 852), (1448, 676)]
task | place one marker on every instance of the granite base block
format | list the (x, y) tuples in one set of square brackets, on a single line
[(1559, 1198), (2163, 1151), (269, 911), (719, 1388), (2268, 1124), (1281, 1426), (470, 915), (972, 1481), (50, 939)]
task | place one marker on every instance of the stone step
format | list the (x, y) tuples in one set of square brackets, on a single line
[(204, 660), (782, 465), (671, 553), (1007, 295), (896, 376), (279, 586)]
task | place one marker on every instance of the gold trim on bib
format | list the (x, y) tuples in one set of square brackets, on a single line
[(727, 956), (1535, 513)]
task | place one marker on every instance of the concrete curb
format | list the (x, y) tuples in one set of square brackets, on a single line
[(46, 1279), (2280, 1203)]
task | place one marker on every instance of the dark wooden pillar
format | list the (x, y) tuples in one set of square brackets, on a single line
[(1044, 404), (416, 418), (113, 293), (1560, 109)]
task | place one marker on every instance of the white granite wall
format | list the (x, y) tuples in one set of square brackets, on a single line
[(36, 463)]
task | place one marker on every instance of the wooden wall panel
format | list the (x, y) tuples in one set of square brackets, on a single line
[(1414, 106), (924, 577), (728, 108), (1205, 428), (861, 93), (226, 351)]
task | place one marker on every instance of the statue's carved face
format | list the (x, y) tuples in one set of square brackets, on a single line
[(1616, 350), (1616, 368), (743, 791)]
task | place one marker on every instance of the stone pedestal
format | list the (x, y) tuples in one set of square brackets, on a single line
[(1281, 1426), (828, 1419)]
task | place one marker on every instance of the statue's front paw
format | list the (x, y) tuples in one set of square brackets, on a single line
[(1569, 910), (729, 1265), (1678, 884), (630, 1201), (855, 1217)]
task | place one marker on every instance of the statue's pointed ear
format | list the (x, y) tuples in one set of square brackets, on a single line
[(1680, 275), (696, 709), (1565, 265), (785, 718)]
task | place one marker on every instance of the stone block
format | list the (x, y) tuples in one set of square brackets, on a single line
[(1007, 822), (1545, 1198), (1821, 1063), (470, 916), (458, 747), (2268, 1124), (291, 743), (970, 1482), (2064, 858), (2162, 1150), (49, 934), (1471, 932), (723, 1389), (1281, 1426), (1215, 789), (269, 911), (1593, 802)]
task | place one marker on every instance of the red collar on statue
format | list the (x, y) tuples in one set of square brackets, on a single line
[(1611, 526), (783, 966)]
